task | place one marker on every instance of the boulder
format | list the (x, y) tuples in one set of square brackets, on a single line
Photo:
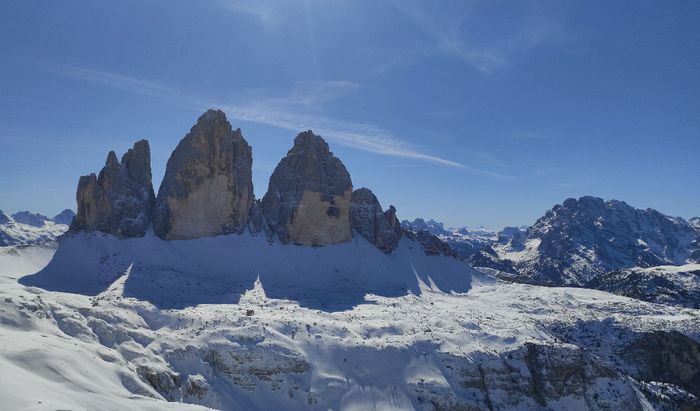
[(308, 199), (369, 220), (207, 189), (120, 200)]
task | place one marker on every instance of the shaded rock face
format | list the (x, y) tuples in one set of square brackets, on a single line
[(670, 357), (308, 199), (432, 244), (64, 217), (207, 189), (118, 201), (32, 219), (3, 218), (379, 227)]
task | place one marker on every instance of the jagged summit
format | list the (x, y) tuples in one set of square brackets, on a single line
[(379, 227), (581, 238), (308, 198), (207, 189), (120, 200), (32, 219)]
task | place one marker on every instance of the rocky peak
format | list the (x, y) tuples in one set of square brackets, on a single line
[(207, 189), (308, 198), (65, 217), (579, 239), (32, 219), (369, 220), (120, 200)]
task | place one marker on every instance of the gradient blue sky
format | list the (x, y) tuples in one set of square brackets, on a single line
[(473, 113)]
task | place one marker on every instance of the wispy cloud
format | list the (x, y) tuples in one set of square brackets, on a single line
[(486, 50), (289, 112), (119, 81), (265, 12)]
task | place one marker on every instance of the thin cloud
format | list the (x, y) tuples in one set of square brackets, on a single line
[(486, 55), (365, 137)]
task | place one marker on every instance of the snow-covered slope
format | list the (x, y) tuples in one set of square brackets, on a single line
[(270, 345), (27, 229)]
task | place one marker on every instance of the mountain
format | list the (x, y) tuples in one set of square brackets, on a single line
[(28, 229), (32, 219), (606, 245), (313, 297), (464, 241), (65, 217)]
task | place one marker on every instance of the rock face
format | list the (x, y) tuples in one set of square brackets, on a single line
[(379, 227), (207, 189), (3, 218), (308, 199), (120, 200)]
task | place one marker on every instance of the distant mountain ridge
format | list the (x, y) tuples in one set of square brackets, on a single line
[(27, 229), (581, 239)]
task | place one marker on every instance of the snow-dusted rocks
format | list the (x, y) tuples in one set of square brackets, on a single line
[(579, 239), (207, 189), (308, 199), (32, 219), (120, 200), (14, 233), (379, 227)]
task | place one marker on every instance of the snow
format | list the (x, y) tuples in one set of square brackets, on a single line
[(341, 327)]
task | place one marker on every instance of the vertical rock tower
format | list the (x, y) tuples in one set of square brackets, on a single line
[(207, 189), (381, 228), (120, 200), (308, 199)]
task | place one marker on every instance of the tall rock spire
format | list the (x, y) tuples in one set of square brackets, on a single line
[(308, 198), (381, 228), (207, 189), (120, 199)]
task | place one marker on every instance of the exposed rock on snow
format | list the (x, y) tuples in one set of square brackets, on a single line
[(308, 199), (207, 189), (17, 234), (579, 239), (32, 219), (499, 346), (677, 285), (379, 227), (431, 244), (120, 200)]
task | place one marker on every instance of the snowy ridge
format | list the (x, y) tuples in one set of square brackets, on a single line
[(27, 229)]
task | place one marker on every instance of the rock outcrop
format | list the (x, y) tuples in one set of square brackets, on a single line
[(120, 199), (3, 218), (379, 227), (308, 199), (207, 189)]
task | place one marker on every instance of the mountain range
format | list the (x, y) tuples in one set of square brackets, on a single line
[(316, 297)]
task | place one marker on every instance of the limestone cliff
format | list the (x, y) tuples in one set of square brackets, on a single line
[(308, 199), (369, 220), (207, 189), (120, 199)]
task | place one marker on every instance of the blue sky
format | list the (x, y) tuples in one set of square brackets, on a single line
[(470, 112)]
